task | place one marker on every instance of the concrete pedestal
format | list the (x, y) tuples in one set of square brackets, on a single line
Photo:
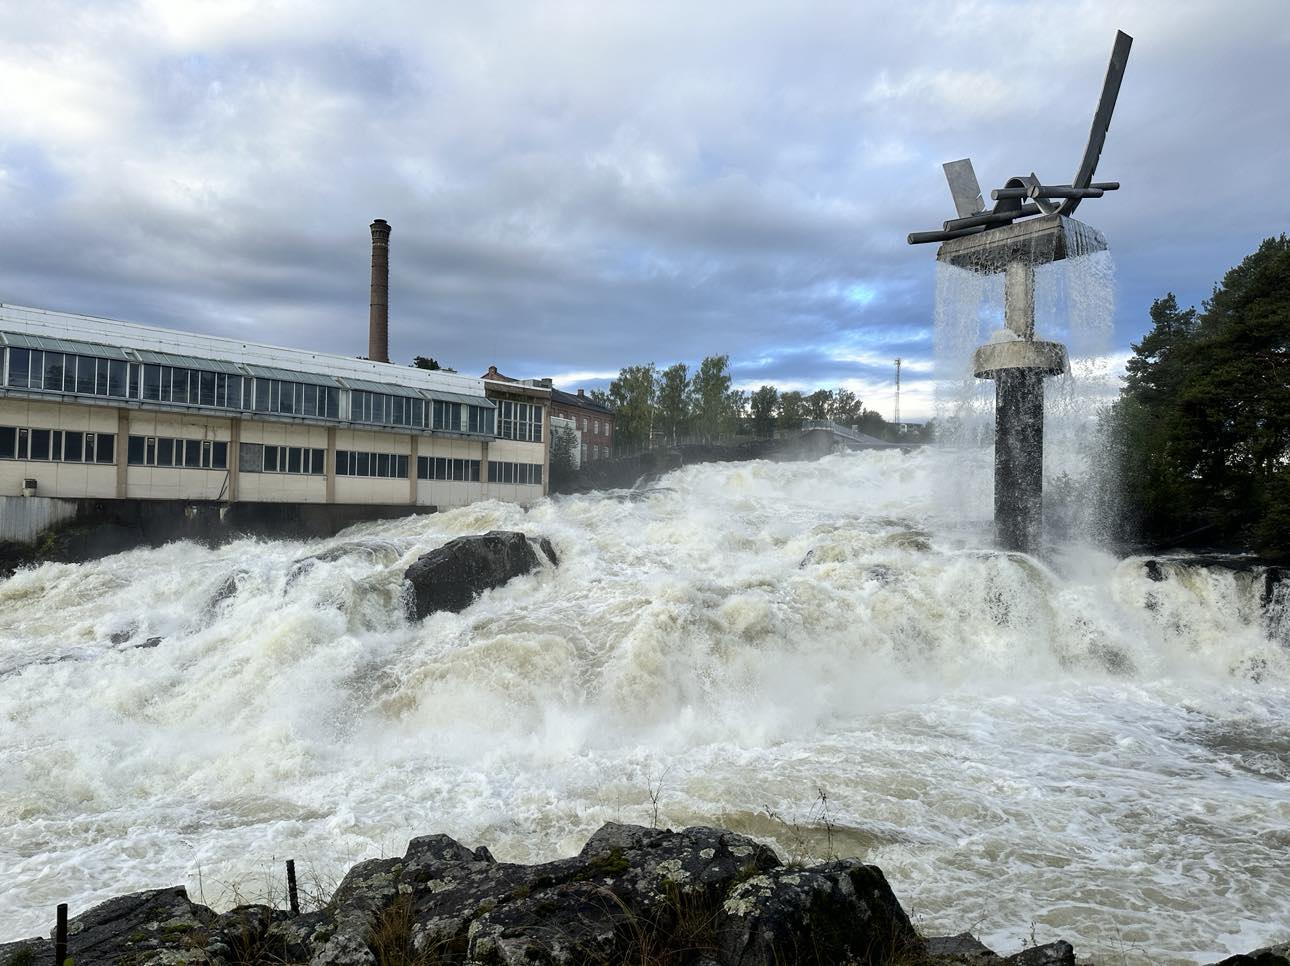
[(1019, 459)]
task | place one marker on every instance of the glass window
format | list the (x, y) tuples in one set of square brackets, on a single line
[(342, 463), (423, 466), (206, 388), (383, 464), (19, 361), (23, 437), (136, 450), (401, 467), (261, 390), (363, 465), (293, 459), (104, 448), (118, 376), (54, 371), (219, 455), (101, 377), (235, 384), (165, 452), (73, 447), (319, 462), (133, 389), (150, 454), (152, 382), (537, 474), (40, 444), (270, 459), (8, 442), (192, 452)]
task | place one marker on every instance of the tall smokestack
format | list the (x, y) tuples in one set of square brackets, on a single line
[(378, 332)]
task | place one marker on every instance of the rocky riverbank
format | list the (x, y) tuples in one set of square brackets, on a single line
[(633, 895)]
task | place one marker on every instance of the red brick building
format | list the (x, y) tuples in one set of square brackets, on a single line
[(595, 421)]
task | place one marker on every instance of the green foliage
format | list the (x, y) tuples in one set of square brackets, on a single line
[(564, 443), (792, 409), (1201, 432), (819, 404), (673, 401), (763, 404), (713, 405), (631, 396), (424, 362)]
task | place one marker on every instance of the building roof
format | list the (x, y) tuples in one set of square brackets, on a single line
[(581, 402), (23, 326)]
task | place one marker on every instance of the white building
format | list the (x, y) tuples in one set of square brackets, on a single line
[(94, 408)]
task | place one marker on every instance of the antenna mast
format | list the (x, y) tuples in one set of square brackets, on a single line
[(896, 420)]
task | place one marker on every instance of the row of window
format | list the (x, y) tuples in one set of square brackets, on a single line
[(517, 420), (115, 378), (390, 466), (503, 472), (63, 446), (584, 424), (204, 454), (444, 468)]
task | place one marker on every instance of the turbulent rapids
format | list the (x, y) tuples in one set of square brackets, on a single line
[(1068, 743)]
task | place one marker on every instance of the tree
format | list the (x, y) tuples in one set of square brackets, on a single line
[(672, 401), (422, 362), (819, 404), (710, 396), (631, 396), (792, 409), (763, 403), (1201, 432), (844, 408), (564, 444)]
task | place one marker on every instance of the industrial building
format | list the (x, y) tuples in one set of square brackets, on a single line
[(98, 409)]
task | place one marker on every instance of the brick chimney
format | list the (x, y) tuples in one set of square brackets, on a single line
[(581, 394), (378, 332)]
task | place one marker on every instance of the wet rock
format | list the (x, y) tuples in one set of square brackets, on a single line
[(1154, 570), (963, 948), (548, 549), (150, 642), (227, 589), (840, 912), (1058, 953), (124, 634), (142, 928), (1278, 955), (453, 576)]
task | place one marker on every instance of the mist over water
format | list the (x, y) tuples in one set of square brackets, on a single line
[(1065, 742)]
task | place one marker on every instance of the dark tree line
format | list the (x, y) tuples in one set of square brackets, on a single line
[(1201, 432), (678, 403)]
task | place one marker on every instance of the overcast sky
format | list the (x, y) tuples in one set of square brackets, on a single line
[(578, 186)]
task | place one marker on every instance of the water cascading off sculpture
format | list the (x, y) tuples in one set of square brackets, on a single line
[(1029, 226)]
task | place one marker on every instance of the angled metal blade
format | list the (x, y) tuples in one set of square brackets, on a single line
[(964, 187), (1101, 117)]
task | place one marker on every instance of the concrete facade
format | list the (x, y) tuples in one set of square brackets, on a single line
[(109, 440)]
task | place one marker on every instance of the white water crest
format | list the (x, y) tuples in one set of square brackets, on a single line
[(1065, 742)]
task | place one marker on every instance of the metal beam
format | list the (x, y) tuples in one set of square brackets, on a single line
[(1101, 117)]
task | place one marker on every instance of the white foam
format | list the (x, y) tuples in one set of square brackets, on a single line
[(1066, 742)]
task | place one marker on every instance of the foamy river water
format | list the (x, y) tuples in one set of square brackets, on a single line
[(1064, 743)]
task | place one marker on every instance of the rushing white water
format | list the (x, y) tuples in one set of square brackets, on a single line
[(1066, 743)]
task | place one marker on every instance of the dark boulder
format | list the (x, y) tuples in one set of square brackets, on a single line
[(1278, 955), (137, 928), (453, 576), (841, 912)]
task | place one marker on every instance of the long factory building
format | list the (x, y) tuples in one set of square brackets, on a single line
[(100, 409)]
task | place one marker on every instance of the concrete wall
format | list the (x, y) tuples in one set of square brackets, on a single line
[(24, 518)]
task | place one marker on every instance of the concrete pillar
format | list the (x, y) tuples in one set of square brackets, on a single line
[(1019, 460), (122, 450), (415, 450), (1019, 299), (330, 496), (234, 457)]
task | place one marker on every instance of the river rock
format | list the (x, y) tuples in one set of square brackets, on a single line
[(453, 576), (142, 928), (1278, 955), (841, 912)]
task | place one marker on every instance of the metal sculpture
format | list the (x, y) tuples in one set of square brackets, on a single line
[(1029, 225)]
